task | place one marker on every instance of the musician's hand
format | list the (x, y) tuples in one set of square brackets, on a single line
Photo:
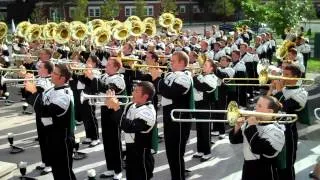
[(238, 124), (252, 120), (279, 85), (29, 85), (112, 102)]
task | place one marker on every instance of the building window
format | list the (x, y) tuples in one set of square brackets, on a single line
[(130, 10), (196, 9), (54, 13), (72, 11), (94, 11), (182, 9), (148, 11)]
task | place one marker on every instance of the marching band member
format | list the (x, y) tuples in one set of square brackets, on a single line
[(247, 58), (175, 89), (204, 95), (111, 80), (57, 112), (35, 99), (205, 49), (260, 48), (293, 99), (261, 143), (297, 59), (223, 71), (303, 48), (87, 111), (137, 121), (239, 67), (218, 51)]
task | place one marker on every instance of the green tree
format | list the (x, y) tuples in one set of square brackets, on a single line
[(278, 15), (38, 15), (110, 9), (169, 6), (223, 7), (140, 8), (80, 10)]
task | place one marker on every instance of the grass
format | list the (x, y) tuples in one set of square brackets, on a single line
[(313, 65)]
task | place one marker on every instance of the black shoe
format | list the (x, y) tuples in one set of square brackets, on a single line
[(36, 139), (206, 157), (313, 176), (40, 168), (79, 123), (187, 172)]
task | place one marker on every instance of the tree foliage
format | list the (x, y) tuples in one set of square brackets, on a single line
[(169, 6), (140, 8), (110, 9), (224, 7), (278, 15), (80, 10), (38, 15)]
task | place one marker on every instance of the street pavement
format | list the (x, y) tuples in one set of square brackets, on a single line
[(226, 163)]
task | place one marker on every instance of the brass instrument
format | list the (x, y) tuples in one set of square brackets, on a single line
[(14, 55), (6, 80), (94, 99), (81, 70), (94, 24), (282, 51), (121, 31), (62, 33), (233, 113), (3, 31), (49, 30), (176, 26), (136, 66), (150, 29), (264, 77), (33, 32), (21, 28), (316, 113), (166, 19), (137, 28), (101, 36), (79, 31), (150, 20)]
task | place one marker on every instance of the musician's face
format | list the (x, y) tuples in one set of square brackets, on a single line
[(176, 64), (288, 73), (243, 48), (224, 62), (137, 96), (207, 68), (56, 77), (44, 56), (110, 68), (262, 106), (42, 71)]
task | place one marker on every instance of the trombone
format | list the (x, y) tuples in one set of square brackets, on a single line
[(263, 79), (233, 113), (94, 99), (80, 70), (136, 66)]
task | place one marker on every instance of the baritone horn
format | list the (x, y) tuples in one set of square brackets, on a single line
[(263, 79), (233, 113), (98, 100)]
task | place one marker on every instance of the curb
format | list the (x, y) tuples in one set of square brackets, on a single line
[(7, 169)]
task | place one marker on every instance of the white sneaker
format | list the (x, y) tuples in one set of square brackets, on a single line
[(198, 155), (94, 143), (117, 176), (47, 169), (86, 141), (215, 133), (206, 157), (107, 174), (222, 136)]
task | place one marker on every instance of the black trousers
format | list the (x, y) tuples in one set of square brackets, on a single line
[(259, 169), (176, 135), (61, 156), (43, 136), (220, 104), (87, 114), (111, 140), (140, 163), (203, 129), (291, 135)]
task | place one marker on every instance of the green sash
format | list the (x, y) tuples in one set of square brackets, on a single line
[(155, 138), (216, 94), (303, 115), (192, 104)]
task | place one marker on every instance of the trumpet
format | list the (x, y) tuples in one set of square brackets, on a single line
[(14, 55), (135, 66), (17, 69), (233, 113), (94, 99), (264, 77), (4, 80), (316, 112), (80, 70)]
